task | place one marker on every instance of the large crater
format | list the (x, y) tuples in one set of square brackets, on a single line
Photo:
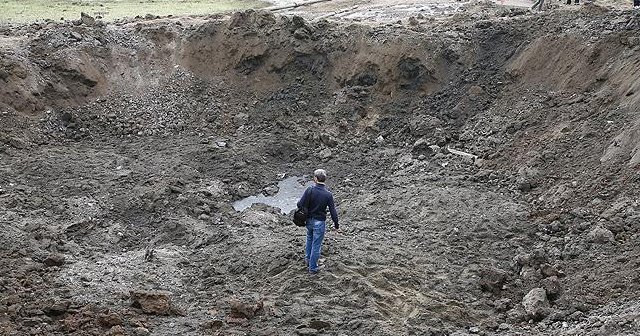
[(478, 166)]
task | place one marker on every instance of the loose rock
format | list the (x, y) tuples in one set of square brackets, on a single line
[(600, 235), (156, 303), (535, 303)]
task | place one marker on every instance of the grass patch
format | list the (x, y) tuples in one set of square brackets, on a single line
[(33, 10)]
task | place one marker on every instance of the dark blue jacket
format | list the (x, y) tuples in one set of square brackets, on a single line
[(321, 198)]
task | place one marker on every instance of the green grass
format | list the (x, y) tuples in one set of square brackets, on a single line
[(33, 10)]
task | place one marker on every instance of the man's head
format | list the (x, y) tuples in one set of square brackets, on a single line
[(319, 175)]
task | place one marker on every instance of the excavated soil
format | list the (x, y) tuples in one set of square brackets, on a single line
[(485, 167)]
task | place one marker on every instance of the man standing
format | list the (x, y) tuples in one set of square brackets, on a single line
[(319, 199)]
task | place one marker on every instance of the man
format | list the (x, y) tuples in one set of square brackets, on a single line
[(319, 200)]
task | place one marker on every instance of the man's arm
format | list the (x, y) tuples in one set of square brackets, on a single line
[(303, 199), (334, 213)]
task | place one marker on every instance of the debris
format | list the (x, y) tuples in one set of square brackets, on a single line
[(245, 310), (461, 153), (152, 302), (600, 235), (54, 259), (492, 279), (109, 319), (87, 19), (295, 5), (535, 303)]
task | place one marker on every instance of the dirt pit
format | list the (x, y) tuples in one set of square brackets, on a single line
[(485, 172)]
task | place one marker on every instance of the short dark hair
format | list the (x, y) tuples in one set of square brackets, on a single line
[(320, 175)]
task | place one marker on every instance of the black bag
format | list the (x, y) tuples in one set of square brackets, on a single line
[(301, 214)]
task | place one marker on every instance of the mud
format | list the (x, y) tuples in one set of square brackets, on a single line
[(125, 145)]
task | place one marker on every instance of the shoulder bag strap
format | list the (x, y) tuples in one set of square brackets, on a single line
[(309, 198)]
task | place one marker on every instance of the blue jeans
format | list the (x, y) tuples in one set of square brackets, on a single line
[(315, 235)]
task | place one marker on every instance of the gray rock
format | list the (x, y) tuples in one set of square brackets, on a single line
[(319, 325), (301, 34), (87, 19), (527, 178), (328, 140), (246, 310), (516, 315), (492, 279), (240, 119), (552, 286), (325, 154), (502, 305), (141, 331), (152, 302), (54, 259), (600, 235), (548, 270), (306, 331), (535, 303), (504, 326), (76, 36)]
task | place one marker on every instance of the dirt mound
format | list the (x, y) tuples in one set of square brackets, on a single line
[(485, 171)]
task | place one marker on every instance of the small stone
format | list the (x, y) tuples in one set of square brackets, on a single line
[(245, 310), (492, 279), (76, 36), (109, 319), (221, 144), (319, 325), (548, 270), (380, 140), (504, 326), (535, 303), (141, 331), (325, 154), (552, 286), (306, 331), (301, 34), (502, 305), (87, 19), (212, 325), (270, 190), (156, 303), (204, 217), (328, 140), (54, 259), (474, 330), (240, 119), (600, 235), (57, 308), (117, 331)]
